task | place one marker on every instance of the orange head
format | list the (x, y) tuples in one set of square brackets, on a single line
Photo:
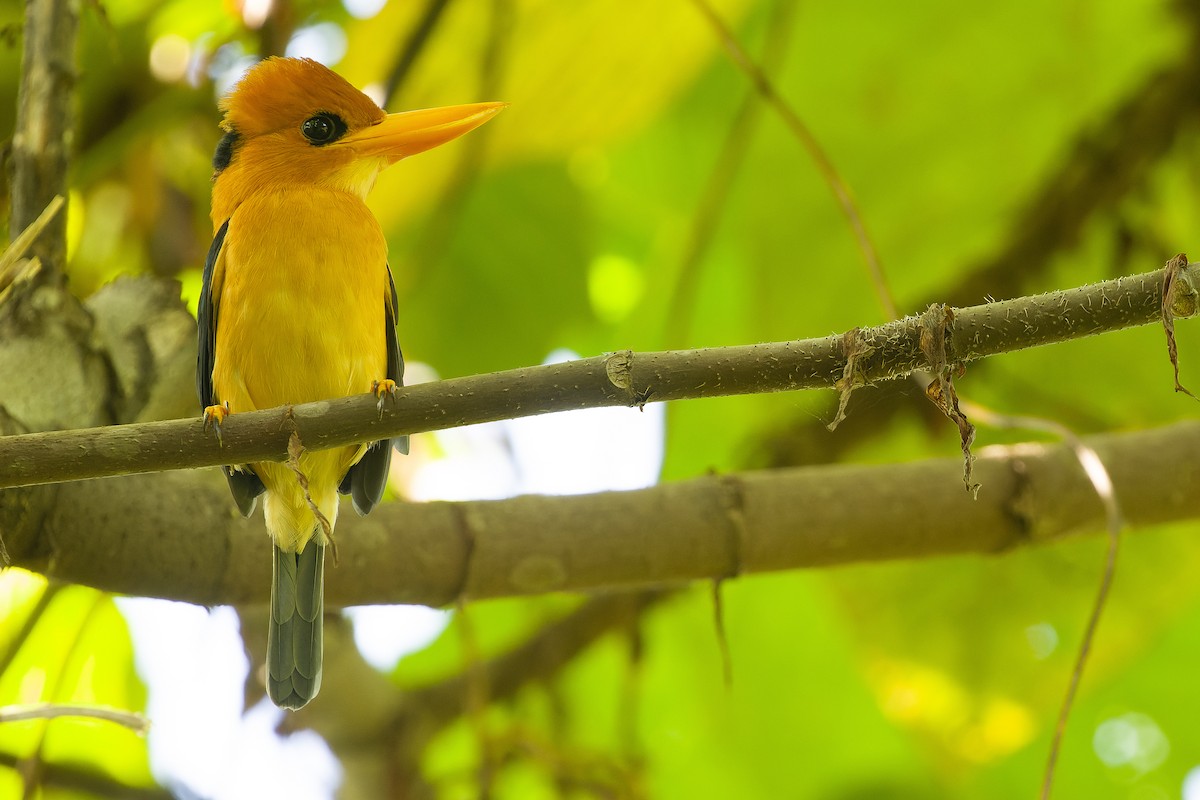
[(292, 121)]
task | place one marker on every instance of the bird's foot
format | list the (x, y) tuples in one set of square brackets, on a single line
[(214, 416), (384, 389)]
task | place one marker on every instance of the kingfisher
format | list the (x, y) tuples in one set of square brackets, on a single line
[(298, 305)]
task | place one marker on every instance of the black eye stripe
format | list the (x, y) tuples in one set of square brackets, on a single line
[(224, 153), (323, 128)]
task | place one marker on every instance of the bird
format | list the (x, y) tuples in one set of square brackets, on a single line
[(298, 305)]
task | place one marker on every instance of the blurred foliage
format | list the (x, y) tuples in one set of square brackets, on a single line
[(66, 645), (566, 223)]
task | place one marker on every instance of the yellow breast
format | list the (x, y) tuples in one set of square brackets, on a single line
[(301, 314), (300, 318)]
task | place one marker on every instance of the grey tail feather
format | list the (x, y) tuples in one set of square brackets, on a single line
[(294, 637)]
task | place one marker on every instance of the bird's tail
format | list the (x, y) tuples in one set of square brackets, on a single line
[(294, 636)]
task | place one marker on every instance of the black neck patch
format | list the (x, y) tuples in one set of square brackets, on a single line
[(224, 153)]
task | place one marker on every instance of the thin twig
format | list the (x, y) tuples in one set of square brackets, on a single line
[(629, 702), (25, 239), (437, 234), (833, 179), (1106, 159), (31, 620), (417, 39), (31, 766), (538, 659), (129, 719), (720, 180), (1097, 474), (478, 691), (82, 780), (718, 607)]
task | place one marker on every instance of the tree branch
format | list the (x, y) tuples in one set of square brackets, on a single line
[(1108, 160), (129, 719), (417, 39), (804, 135), (84, 781), (538, 658), (176, 535), (886, 352), (41, 142)]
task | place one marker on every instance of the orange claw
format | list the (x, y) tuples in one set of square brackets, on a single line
[(214, 416), (384, 389)]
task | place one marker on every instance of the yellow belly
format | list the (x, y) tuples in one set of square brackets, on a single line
[(301, 318)]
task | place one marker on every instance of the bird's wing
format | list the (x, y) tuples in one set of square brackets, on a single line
[(365, 480), (395, 359), (206, 317), (243, 484)]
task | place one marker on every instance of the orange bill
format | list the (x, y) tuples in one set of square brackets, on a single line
[(410, 132)]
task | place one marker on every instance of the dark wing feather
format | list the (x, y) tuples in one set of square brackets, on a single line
[(244, 485), (365, 480), (395, 361), (206, 318)]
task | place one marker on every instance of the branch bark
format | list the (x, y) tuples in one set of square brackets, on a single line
[(175, 535), (882, 353)]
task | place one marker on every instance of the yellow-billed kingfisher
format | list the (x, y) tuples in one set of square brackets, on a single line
[(298, 305)]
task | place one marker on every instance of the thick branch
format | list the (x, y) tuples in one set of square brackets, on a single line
[(175, 534), (619, 379)]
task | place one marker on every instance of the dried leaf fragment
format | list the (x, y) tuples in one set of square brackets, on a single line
[(295, 451), (1178, 298), (854, 348), (935, 330)]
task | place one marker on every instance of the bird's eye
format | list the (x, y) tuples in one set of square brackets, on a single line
[(322, 128)]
